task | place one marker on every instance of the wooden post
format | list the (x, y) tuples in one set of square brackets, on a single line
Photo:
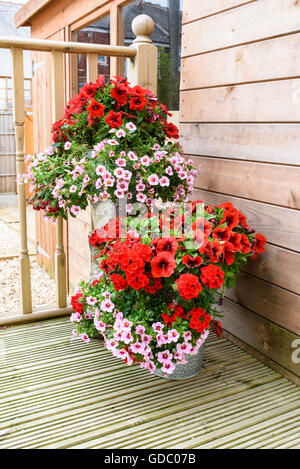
[(19, 118), (92, 67), (142, 69), (58, 100)]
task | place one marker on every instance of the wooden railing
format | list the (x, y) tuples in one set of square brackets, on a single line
[(142, 70)]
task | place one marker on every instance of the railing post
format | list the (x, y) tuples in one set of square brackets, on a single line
[(92, 67), (142, 69), (19, 118), (58, 100)]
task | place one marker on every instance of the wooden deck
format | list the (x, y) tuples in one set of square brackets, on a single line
[(57, 392)]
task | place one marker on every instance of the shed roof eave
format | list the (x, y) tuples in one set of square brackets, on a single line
[(31, 8)]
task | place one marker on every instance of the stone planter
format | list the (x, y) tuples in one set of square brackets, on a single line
[(190, 369)]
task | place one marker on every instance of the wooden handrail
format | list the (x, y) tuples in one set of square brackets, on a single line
[(67, 47), (142, 70)]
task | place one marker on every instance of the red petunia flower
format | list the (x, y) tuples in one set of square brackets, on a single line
[(88, 91), (245, 244), (171, 130), (119, 93), (222, 234), (235, 239), (212, 276), (167, 245), (137, 103), (95, 109), (259, 243), (114, 119), (228, 253), (217, 329), (231, 218), (192, 262), (188, 286), (163, 265)]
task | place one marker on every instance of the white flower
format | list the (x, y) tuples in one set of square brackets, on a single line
[(67, 145), (130, 126), (120, 133)]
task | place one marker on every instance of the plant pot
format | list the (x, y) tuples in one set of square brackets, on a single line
[(188, 370), (102, 212)]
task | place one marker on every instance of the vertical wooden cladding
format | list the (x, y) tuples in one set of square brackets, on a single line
[(42, 122), (240, 91)]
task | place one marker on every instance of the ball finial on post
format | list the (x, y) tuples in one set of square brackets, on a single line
[(143, 27)]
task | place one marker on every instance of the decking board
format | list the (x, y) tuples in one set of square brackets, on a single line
[(62, 393)]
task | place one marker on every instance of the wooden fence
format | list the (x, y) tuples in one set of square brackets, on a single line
[(142, 70)]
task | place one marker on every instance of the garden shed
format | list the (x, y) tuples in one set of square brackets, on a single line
[(239, 119)]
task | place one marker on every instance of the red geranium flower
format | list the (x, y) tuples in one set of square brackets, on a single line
[(192, 262), (114, 119), (259, 243), (137, 281), (95, 109), (222, 234), (76, 305), (119, 282), (199, 319), (137, 103), (228, 253), (188, 286), (163, 265), (212, 276)]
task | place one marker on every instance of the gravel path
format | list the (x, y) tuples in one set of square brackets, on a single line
[(43, 286)]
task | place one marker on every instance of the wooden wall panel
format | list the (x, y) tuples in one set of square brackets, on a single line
[(273, 341), (279, 266), (249, 23), (281, 226), (272, 59), (195, 9), (275, 101), (257, 181), (276, 304), (240, 120), (269, 143)]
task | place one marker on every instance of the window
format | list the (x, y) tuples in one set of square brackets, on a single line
[(97, 33)]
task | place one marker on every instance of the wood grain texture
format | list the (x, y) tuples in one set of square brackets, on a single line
[(270, 143), (281, 226), (249, 23), (275, 101), (268, 338), (194, 10), (233, 394), (267, 300), (250, 180), (271, 59), (278, 266)]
